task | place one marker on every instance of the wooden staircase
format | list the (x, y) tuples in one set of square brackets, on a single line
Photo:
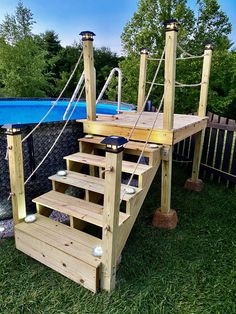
[(69, 249)]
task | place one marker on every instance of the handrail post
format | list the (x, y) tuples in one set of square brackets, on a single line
[(206, 68), (165, 217), (142, 78), (90, 87), (16, 171), (111, 218), (171, 27), (194, 183)]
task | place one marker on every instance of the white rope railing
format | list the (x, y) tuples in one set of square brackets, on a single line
[(73, 97), (56, 140), (155, 59), (56, 101), (178, 84), (187, 58), (144, 147), (157, 84), (137, 120), (189, 55), (148, 94)]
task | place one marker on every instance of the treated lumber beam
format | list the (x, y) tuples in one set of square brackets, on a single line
[(16, 171)]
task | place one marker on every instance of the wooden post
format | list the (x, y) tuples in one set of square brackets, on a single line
[(111, 219), (194, 183), (170, 69), (165, 217), (16, 171), (142, 78), (90, 84), (205, 80)]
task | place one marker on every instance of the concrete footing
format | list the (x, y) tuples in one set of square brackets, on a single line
[(196, 186), (165, 220)]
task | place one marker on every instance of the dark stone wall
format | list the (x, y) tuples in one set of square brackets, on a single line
[(34, 149)]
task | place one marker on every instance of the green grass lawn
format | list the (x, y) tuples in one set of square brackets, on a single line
[(191, 269)]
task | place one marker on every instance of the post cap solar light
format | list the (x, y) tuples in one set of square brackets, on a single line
[(144, 51), (114, 144), (171, 25), (87, 35), (208, 46)]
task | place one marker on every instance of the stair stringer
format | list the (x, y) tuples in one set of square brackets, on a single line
[(135, 204)]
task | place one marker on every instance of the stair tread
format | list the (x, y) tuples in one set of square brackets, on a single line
[(90, 183), (75, 207), (71, 241), (137, 146), (100, 161)]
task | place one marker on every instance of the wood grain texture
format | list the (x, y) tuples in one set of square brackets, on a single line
[(61, 248), (16, 171)]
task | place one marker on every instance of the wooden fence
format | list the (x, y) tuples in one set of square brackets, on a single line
[(219, 150)]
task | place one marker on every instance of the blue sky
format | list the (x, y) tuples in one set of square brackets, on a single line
[(106, 18)]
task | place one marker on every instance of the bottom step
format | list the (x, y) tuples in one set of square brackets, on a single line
[(66, 250)]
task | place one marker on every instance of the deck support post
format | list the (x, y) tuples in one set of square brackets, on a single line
[(16, 171), (142, 79), (194, 183), (111, 219), (165, 217), (90, 84)]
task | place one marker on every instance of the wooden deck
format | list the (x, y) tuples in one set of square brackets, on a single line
[(122, 124)]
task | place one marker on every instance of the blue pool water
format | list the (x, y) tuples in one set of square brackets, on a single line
[(32, 111)]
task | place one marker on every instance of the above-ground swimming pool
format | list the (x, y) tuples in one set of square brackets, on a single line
[(28, 111), (25, 113)]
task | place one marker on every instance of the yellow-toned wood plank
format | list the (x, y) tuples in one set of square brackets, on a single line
[(183, 133), (65, 264), (60, 241), (111, 220), (89, 79), (99, 161), (157, 136), (131, 147), (199, 138), (72, 206), (16, 171), (166, 177), (75, 207), (134, 206), (85, 182), (142, 79), (169, 88), (70, 234), (205, 81)]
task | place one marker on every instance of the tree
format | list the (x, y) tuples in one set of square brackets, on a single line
[(18, 26), (212, 25), (146, 30), (22, 61), (21, 69), (104, 62), (146, 26), (49, 41)]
